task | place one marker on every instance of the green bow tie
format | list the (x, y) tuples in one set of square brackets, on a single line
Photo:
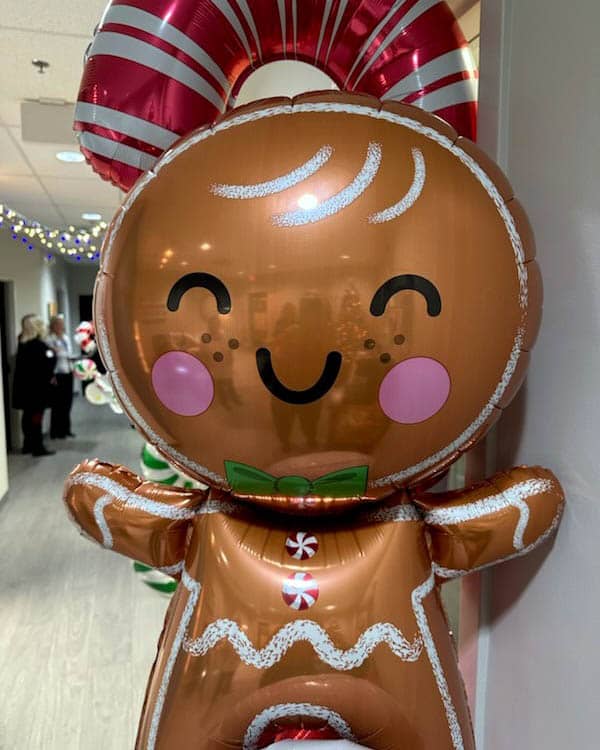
[(246, 480)]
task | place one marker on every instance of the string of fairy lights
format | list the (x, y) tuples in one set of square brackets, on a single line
[(82, 244)]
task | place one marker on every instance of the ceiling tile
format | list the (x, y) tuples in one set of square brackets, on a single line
[(20, 80), (14, 189), (42, 211), (66, 17), (11, 159), (72, 213), (84, 193), (42, 157)]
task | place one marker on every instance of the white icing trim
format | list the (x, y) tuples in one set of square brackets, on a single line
[(311, 632), (363, 111), (456, 573), (171, 570), (193, 588), (339, 201), (129, 498), (279, 184), (262, 720), (411, 196), (418, 595), (512, 497), (99, 505)]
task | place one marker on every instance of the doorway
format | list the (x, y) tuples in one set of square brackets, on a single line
[(5, 297)]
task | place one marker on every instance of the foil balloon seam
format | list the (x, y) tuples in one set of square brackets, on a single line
[(449, 573), (361, 110), (193, 587), (417, 597), (282, 710), (310, 632), (511, 497)]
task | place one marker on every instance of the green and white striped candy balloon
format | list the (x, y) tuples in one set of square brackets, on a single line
[(156, 469)]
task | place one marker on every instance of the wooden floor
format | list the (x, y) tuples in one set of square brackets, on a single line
[(77, 626)]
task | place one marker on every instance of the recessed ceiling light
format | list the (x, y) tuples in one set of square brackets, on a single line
[(91, 216), (70, 157)]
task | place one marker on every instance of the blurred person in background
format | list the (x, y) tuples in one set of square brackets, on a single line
[(62, 397), (32, 388)]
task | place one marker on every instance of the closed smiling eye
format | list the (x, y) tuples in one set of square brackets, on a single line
[(406, 282), (200, 281)]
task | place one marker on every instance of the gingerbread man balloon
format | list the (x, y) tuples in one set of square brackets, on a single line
[(314, 306)]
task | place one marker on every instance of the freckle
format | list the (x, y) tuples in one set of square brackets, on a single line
[(206, 338), (385, 358), (234, 344), (218, 357), (369, 344), (400, 339)]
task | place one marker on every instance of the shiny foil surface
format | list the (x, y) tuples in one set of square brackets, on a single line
[(315, 307), (158, 69)]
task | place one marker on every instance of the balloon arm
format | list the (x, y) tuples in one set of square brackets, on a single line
[(499, 519), (120, 511)]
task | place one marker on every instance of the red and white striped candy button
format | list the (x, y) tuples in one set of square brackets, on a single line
[(302, 546), (300, 591)]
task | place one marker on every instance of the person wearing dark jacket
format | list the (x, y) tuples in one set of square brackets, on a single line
[(34, 373)]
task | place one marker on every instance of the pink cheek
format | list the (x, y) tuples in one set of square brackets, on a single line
[(182, 383), (414, 390)]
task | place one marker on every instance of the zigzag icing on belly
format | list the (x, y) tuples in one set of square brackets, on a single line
[(311, 632)]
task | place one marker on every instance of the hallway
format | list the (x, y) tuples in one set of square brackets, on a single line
[(78, 627)]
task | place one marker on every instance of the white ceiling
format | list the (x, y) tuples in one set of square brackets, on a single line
[(32, 180)]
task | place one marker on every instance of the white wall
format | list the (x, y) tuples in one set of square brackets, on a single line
[(544, 662)]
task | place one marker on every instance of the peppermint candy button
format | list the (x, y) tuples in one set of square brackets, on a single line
[(302, 546), (300, 591)]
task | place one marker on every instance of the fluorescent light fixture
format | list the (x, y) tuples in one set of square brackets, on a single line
[(71, 157), (91, 216)]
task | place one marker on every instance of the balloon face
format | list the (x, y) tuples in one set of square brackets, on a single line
[(324, 300)]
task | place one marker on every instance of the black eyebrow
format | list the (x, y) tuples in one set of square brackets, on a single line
[(204, 281), (406, 281)]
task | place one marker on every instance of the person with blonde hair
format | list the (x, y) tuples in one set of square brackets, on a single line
[(62, 400), (34, 373)]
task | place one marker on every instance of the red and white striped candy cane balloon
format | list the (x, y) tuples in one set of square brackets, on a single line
[(158, 69)]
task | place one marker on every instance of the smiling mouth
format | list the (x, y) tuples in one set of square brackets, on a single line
[(289, 396)]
